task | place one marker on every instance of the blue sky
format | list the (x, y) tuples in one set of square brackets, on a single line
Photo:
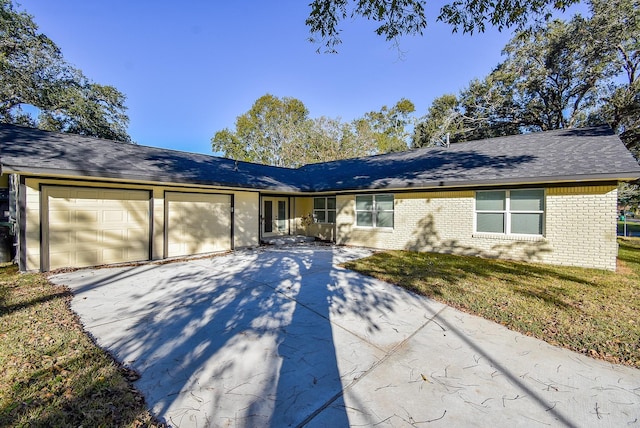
[(190, 68)]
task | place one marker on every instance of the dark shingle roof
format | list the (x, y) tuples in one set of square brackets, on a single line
[(588, 154), (32, 150), (585, 154)]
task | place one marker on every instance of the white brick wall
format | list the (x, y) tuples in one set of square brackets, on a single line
[(580, 227)]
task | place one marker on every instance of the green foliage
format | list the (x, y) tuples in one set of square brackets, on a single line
[(278, 131), (331, 139), (629, 196), (472, 15), (443, 120), (388, 127), (559, 69), (554, 76), (408, 17), (395, 18), (616, 24), (267, 133), (33, 73)]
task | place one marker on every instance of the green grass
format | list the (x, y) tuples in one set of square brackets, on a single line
[(52, 374), (589, 311), (632, 227)]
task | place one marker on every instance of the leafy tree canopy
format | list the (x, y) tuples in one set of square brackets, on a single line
[(267, 133), (278, 131), (557, 75), (408, 17), (388, 127), (34, 73)]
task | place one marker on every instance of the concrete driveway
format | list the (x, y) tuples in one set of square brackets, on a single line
[(285, 337)]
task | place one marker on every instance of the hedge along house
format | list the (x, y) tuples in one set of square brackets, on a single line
[(547, 197)]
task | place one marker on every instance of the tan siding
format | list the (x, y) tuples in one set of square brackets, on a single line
[(32, 224), (303, 209), (303, 216), (197, 223), (88, 227), (157, 249), (247, 219)]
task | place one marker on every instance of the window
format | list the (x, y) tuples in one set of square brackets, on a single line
[(510, 211), (324, 210), (374, 211)]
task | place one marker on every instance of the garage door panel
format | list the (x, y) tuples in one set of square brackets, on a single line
[(113, 216), (198, 223), (97, 226)]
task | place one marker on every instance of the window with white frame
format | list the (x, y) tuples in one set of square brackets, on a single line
[(324, 210), (510, 212), (374, 211)]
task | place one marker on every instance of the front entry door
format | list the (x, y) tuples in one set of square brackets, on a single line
[(275, 220)]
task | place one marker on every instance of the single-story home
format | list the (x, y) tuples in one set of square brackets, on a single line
[(547, 197)]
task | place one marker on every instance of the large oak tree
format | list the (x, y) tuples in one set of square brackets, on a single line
[(34, 73), (558, 75)]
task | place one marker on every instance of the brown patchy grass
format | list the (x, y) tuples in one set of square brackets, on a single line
[(52, 373), (586, 310)]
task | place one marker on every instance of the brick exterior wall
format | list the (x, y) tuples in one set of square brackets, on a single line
[(580, 228)]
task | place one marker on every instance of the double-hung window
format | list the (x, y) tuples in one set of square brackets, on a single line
[(374, 211), (324, 210), (510, 212)]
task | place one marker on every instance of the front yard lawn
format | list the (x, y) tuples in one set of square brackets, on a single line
[(52, 374), (590, 311)]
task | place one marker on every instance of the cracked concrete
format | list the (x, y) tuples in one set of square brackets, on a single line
[(285, 337)]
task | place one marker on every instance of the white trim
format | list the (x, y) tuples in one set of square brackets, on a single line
[(508, 212), (326, 210), (374, 211)]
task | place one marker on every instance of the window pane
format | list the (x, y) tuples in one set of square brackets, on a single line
[(364, 218), (331, 203), (318, 203), (490, 222), (384, 202), (384, 219), (527, 200), (490, 201), (364, 203), (331, 217), (319, 216), (526, 223)]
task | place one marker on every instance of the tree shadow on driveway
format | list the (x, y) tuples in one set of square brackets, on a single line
[(260, 338)]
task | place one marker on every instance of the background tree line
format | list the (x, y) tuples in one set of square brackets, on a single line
[(562, 74), (278, 131)]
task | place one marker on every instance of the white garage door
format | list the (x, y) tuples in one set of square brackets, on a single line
[(197, 223), (94, 226)]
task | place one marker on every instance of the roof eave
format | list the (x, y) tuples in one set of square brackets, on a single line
[(443, 184), (137, 179)]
